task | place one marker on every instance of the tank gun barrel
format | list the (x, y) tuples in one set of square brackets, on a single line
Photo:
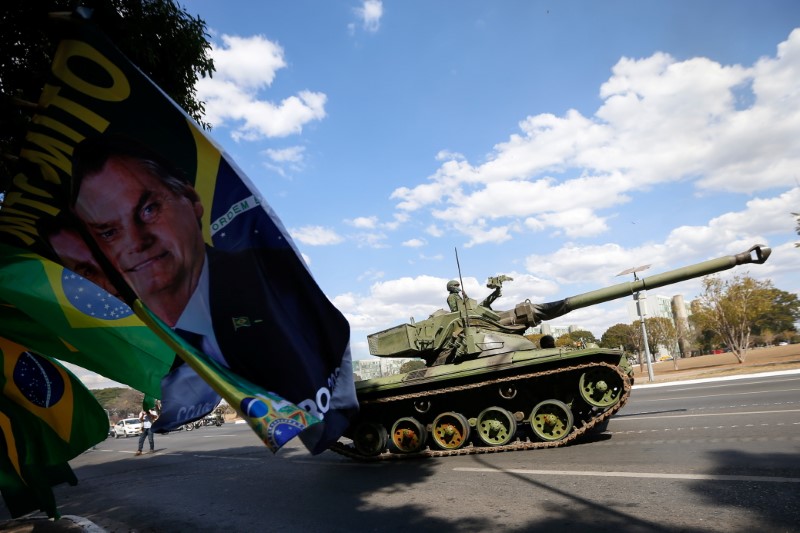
[(531, 314)]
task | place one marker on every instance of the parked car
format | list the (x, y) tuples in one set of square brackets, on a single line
[(127, 427)]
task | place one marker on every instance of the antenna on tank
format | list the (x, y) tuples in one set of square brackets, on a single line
[(463, 291)]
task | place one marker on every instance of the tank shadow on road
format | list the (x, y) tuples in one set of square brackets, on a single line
[(581, 514)]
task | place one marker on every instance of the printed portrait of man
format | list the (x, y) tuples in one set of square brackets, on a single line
[(144, 218), (65, 240), (248, 309)]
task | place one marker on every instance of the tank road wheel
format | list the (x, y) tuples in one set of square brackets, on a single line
[(450, 430), (601, 387), (496, 426), (408, 435), (370, 438), (551, 420)]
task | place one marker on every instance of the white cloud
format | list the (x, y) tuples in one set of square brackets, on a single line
[(414, 243), (725, 128), (370, 14), (371, 274), (245, 66), (399, 218), (363, 222), (249, 62), (434, 230), (370, 239), (729, 234), (482, 235), (315, 236), (92, 380), (292, 154)]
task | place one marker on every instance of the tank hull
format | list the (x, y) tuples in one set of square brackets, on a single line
[(511, 401)]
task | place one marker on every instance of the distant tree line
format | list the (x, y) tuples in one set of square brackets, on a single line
[(733, 315)]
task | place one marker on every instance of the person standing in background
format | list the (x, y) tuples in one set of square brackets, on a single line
[(147, 417)]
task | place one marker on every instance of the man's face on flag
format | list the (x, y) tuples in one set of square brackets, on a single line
[(76, 256), (150, 233)]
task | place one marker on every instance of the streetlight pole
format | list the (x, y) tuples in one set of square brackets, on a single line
[(640, 298)]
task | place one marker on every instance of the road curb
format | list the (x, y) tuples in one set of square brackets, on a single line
[(42, 524), (713, 379)]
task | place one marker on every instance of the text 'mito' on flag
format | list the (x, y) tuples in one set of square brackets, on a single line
[(182, 235)]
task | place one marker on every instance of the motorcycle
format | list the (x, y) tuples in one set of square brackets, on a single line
[(189, 426), (209, 420)]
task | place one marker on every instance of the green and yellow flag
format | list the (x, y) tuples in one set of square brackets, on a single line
[(47, 417), (56, 312)]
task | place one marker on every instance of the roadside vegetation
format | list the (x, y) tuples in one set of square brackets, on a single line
[(733, 315)]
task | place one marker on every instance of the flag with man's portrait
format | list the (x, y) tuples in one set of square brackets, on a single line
[(187, 242)]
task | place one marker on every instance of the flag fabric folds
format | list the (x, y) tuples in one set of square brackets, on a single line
[(56, 312), (47, 417), (120, 185)]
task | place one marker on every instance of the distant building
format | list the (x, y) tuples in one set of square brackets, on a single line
[(549, 329), (378, 367), (675, 309)]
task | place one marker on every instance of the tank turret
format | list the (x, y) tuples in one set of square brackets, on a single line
[(486, 387), (473, 330)]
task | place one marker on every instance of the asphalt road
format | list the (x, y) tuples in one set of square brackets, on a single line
[(714, 456)]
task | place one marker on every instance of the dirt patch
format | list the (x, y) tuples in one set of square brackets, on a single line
[(725, 364)]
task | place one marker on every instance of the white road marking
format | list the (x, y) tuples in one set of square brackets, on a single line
[(717, 395), (722, 378), (648, 417), (651, 475)]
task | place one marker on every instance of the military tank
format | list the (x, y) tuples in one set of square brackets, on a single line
[(487, 388)]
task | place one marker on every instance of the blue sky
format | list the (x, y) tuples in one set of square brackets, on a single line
[(557, 142)]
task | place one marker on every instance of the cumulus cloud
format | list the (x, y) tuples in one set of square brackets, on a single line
[(92, 380), (363, 222), (414, 243), (285, 160), (434, 230), (292, 154), (370, 14), (723, 128), (370, 239), (245, 67), (727, 234), (315, 235)]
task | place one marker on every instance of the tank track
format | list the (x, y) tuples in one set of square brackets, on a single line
[(349, 450)]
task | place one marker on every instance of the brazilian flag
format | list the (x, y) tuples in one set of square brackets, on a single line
[(54, 311), (47, 417)]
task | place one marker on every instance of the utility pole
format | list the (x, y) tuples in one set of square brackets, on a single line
[(640, 297)]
